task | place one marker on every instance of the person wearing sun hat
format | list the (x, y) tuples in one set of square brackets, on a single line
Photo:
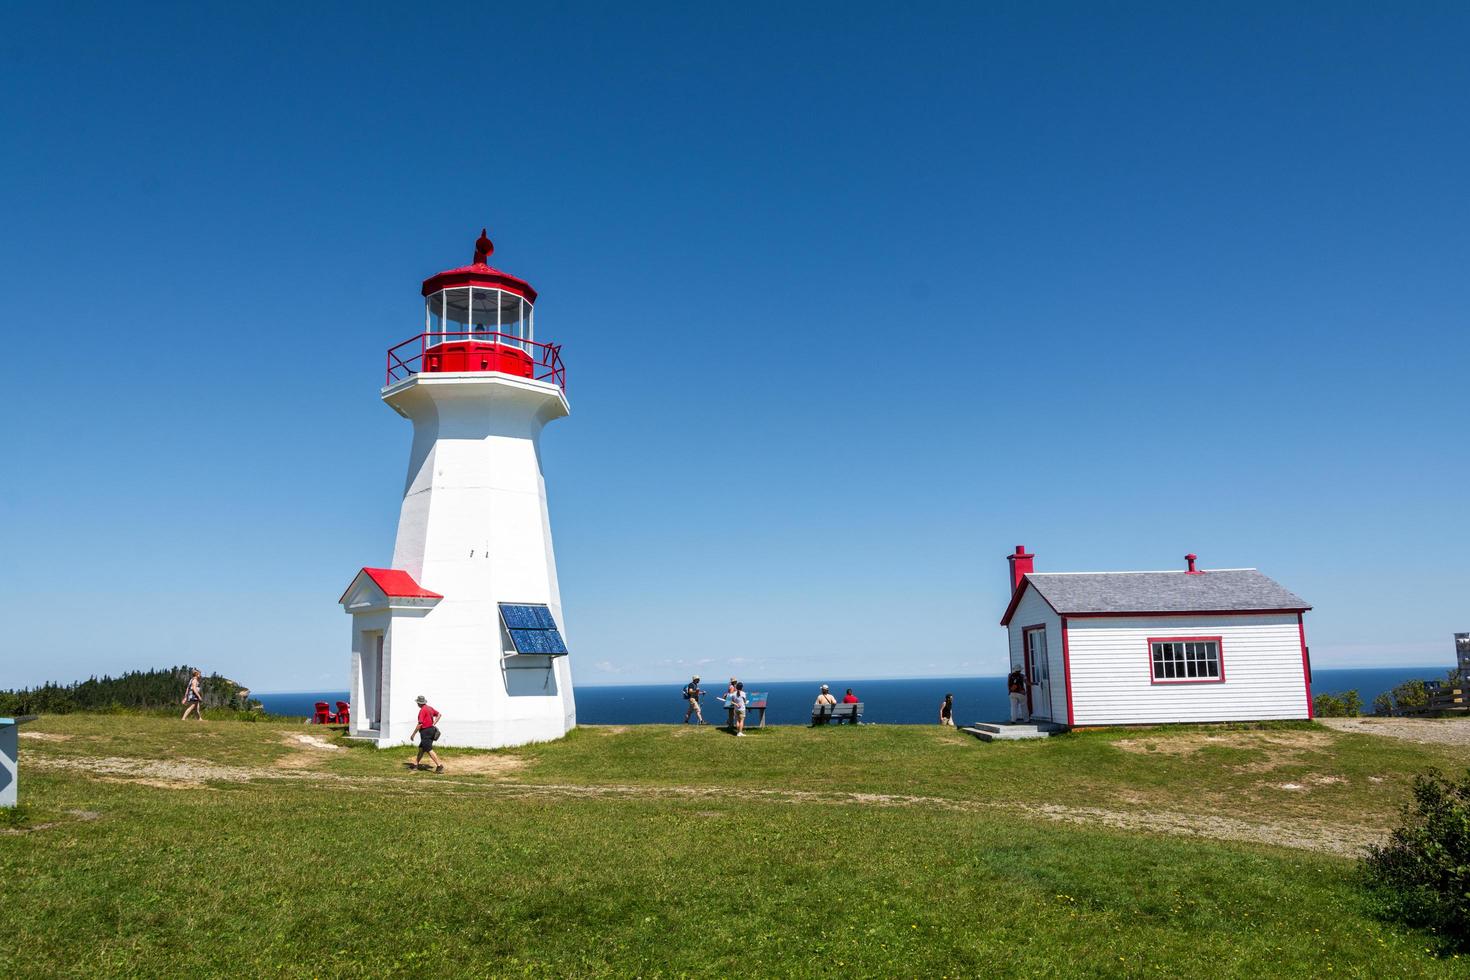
[(427, 730)]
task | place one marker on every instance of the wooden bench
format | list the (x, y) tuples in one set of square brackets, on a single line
[(836, 714)]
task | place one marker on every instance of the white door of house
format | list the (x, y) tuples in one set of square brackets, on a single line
[(1038, 670)]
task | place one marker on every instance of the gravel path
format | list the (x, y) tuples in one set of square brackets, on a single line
[(1431, 731)]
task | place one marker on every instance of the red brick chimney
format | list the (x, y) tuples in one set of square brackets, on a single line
[(1021, 565)]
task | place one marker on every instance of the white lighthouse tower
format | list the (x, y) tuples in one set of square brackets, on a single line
[(469, 615)]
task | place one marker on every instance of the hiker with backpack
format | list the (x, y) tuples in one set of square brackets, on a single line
[(692, 694), (1016, 687)]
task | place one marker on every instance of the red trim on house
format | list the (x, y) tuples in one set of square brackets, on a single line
[(1026, 662), (1219, 642), (395, 583), (1301, 628), (1016, 601), (1067, 671), (1189, 612)]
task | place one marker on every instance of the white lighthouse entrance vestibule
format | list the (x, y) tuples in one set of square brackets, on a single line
[(469, 615)]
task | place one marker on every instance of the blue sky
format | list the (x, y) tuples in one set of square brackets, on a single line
[(853, 301)]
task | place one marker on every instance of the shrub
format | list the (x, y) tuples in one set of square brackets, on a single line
[(1346, 705), (1383, 704), (1409, 694), (1421, 876), (135, 689)]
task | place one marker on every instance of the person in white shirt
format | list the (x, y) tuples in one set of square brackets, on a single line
[(739, 700)]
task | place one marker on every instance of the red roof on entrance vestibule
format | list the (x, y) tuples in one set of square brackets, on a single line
[(395, 583), (479, 273)]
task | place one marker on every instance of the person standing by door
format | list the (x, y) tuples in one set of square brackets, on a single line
[(427, 730), (1016, 687)]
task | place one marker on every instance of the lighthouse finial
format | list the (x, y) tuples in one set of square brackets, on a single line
[(483, 248)]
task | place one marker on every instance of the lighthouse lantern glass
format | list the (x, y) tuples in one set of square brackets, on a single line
[(475, 312)]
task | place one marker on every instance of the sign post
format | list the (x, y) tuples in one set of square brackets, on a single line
[(10, 757)]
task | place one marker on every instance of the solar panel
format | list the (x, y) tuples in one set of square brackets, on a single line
[(538, 641), (532, 629), (526, 617)]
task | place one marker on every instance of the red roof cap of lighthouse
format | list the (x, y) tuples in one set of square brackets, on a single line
[(479, 273)]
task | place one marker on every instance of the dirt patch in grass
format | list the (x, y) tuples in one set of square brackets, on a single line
[(607, 729), (483, 765), (46, 736), (1276, 749), (82, 815), (309, 751), (1429, 731), (155, 783), (191, 772), (311, 741), (1311, 835)]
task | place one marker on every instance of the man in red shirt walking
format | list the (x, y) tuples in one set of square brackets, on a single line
[(428, 732)]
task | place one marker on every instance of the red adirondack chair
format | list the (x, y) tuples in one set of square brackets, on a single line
[(323, 714), (344, 713)]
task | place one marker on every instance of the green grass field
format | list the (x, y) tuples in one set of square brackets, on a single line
[(152, 847)]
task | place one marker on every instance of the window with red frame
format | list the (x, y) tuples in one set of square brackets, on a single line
[(1186, 660)]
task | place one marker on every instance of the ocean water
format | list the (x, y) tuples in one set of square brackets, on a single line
[(910, 701)]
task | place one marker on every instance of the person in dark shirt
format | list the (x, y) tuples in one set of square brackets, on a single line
[(1016, 688), (946, 711), (692, 694)]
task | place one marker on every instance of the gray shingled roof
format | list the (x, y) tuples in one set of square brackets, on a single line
[(1222, 590)]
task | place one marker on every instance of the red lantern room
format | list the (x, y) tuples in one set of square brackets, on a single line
[(477, 318)]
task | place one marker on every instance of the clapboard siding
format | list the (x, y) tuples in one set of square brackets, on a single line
[(1033, 611), (1112, 682)]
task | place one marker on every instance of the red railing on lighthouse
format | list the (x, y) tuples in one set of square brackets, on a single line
[(478, 351)]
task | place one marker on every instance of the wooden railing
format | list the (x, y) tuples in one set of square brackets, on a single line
[(1451, 699)]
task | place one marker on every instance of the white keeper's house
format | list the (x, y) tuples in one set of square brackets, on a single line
[(1135, 648)]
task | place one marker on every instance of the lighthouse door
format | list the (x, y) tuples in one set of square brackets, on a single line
[(378, 686)]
